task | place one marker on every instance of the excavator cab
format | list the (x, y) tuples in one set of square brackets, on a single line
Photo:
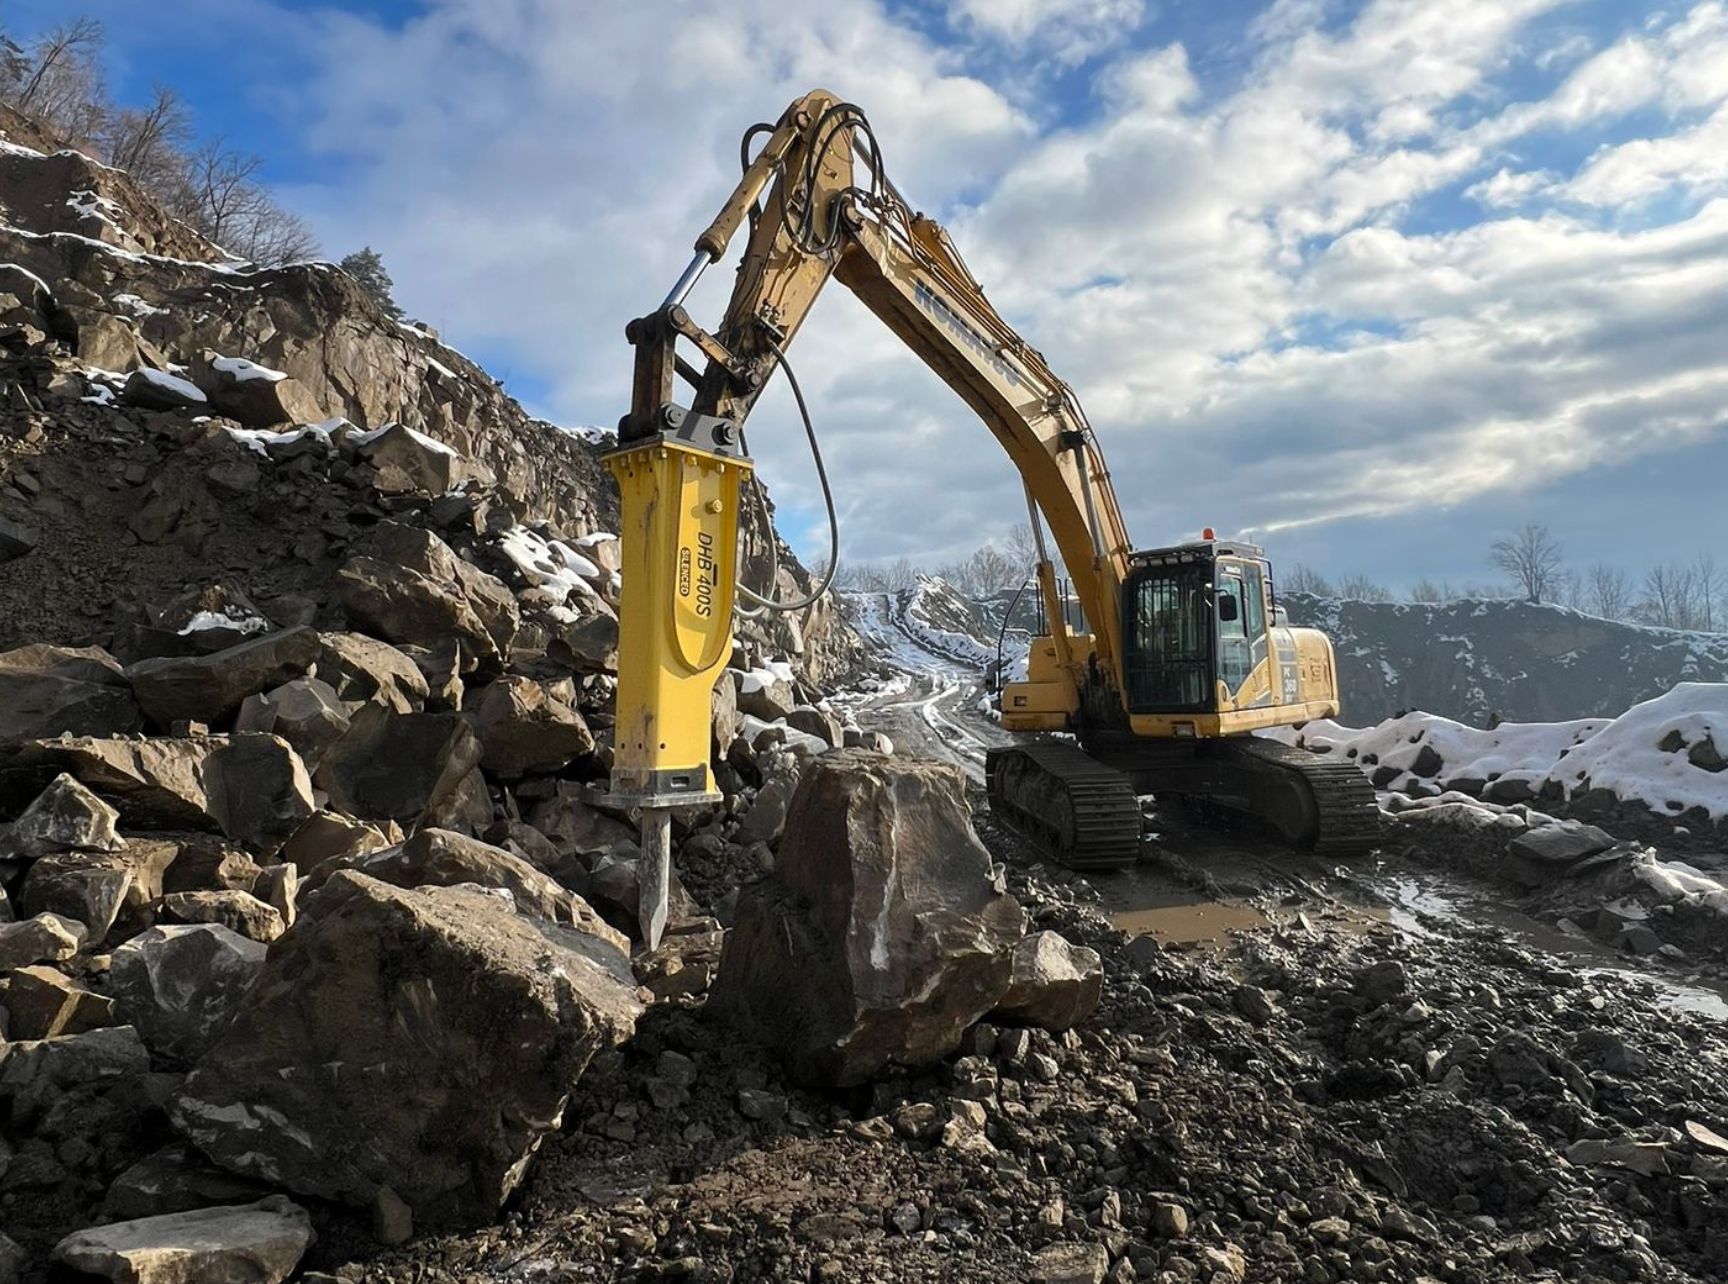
[(1196, 629)]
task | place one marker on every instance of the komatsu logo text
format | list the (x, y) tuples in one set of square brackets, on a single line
[(951, 321)]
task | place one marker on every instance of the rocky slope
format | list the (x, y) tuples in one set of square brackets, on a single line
[(1476, 660)]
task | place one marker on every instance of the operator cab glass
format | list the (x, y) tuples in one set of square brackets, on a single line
[(1191, 620)]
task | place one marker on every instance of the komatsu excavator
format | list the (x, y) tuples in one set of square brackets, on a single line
[(1183, 651)]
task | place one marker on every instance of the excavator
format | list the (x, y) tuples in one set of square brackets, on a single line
[(1179, 653)]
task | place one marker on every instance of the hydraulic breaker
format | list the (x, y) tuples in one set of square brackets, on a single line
[(679, 490)]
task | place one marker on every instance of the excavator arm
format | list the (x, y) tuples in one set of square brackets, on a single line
[(817, 206)]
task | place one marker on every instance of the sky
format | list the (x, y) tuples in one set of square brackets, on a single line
[(1375, 283)]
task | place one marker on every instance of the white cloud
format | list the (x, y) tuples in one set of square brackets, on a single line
[(1231, 276)]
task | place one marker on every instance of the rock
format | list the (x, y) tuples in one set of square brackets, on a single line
[(1428, 762), (181, 985), (331, 836), (45, 1066), (473, 1024), (210, 688), (366, 670), (175, 1179), (392, 1219), (1169, 1220), (589, 642), (46, 938), (239, 912), (405, 461), (1705, 756), (257, 1243), (522, 729), (65, 817), (203, 865), (156, 390), (89, 889), (1227, 1261), (45, 1003), (764, 694), (1649, 1158), (397, 766), (278, 886), (761, 1105), (880, 936), (439, 858), (1254, 1004), (1070, 1264), (305, 712), (1541, 855), (766, 819), (1382, 982), (52, 690), (576, 829), (253, 395), (253, 788), (817, 722), (416, 589), (724, 708), (1508, 790), (1054, 984), (616, 880), (12, 1260)]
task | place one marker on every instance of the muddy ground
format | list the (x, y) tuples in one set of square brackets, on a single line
[(1300, 1071)]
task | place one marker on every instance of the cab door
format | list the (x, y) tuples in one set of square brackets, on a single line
[(1244, 638)]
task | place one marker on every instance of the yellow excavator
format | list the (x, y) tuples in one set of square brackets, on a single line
[(1182, 651)]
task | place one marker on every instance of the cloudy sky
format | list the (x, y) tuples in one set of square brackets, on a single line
[(1376, 281)]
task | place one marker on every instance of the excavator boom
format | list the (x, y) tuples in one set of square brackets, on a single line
[(818, 206)]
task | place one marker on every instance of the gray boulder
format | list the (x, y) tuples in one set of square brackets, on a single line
[(175, 1179), (1055, 985), (51, 690), (819, 723), (257, 1243), (237, 911), (304, 711), (397, 766), (253, 395), (65, 817), (425, 1039), (40, 1068), (416, 589), (1542, 855), (44, 1002), (577, 829), (88, 888), (180, 985), (765, 696), (365, 670), (523, 729), (881, 935), (210, 688), (404, 461)]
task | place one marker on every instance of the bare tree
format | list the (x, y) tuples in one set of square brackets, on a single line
[(1359, 588), (1305, 579), (1532, 560), (1608, 592), (223, 199), (1711, 586), (1427, 590), (1670, 597), (1022, 547), (147, 142), (62, 85)]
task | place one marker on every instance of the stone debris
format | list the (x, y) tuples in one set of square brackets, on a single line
[(1053, 984)]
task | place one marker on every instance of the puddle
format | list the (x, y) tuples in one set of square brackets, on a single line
[(1414, 901), (1189, 922)]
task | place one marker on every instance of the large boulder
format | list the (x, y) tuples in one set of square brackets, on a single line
[(439, 858), (397, 766), (405, 461), (251, 787), (575, 828), (1542, 855), (65, 817), (881, 935), (175, 1179), (764, 694), (43, 1003), (364, 669), (421, 1039), (235, 910), (53, 690), (416, 589), (254, 395), (180, 985), (1055, 985), (46, 938), (257, 1243), (524, 729), (209, 688)]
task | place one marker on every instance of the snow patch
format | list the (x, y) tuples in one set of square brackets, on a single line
[(244, 371)]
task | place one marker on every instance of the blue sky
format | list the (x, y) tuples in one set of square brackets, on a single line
[(1377, 281)]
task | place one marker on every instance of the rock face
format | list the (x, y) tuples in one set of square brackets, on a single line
[(881, 935), (257, 1243), (434, 991), (180, 985)]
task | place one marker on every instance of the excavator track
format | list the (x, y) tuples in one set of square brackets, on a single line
[(1082, 813), (1316, 804)]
